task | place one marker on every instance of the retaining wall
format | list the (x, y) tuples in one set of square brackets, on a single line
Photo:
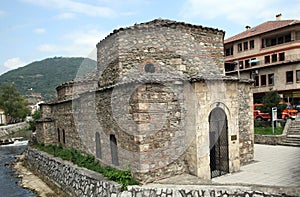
[(70, 178), (6, 130), (76, 181), (273, 139)]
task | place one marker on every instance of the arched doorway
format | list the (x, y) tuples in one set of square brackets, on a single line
[(218, 142)]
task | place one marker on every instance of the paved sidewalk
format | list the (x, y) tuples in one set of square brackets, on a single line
[(272, 166)]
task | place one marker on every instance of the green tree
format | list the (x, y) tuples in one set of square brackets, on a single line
[(272, 99), (13, 104)]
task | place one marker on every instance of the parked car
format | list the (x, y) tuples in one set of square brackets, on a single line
[(289, 114), (258, 114)]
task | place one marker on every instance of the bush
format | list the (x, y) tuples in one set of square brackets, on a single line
[(122, 177)]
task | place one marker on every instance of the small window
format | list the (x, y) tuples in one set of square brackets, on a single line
[(64, 136), (267, 59), (256, 81), (247, 63), (263, 80), (229, 51), (253, 62), (149, 68), (298, 75), (58, 135), (280, 40), (240, 47), (271, 79), (298, 35), (281, 56), (245, 45), (274, 58), (251, 44), (263, 43), (287, 38), (241, 64), (289, 77), (98, 145), (273, 41), (114, 150)]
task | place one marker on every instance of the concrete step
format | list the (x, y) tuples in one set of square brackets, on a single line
[(289, 135), (295, 133), (294, 128), (290, 144)]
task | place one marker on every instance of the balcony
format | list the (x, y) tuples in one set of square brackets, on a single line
[(243, 65)]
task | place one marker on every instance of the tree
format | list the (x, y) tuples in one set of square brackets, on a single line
[(13, 104), (272, 99)]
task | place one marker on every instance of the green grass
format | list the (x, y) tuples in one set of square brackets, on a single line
[(122, 177), (268, 130)]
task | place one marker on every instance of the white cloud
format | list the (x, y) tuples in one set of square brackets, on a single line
[(72, 6), (77, 43), (242, 12), (14, 63), (39, 30)]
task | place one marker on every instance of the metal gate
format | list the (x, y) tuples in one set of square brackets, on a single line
[(218, 142)]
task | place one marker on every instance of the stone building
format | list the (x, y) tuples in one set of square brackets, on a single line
[(159, 103)]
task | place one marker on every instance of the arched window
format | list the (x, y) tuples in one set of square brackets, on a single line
[(64, 136), (98, 145), (114, 150), (58, 135)]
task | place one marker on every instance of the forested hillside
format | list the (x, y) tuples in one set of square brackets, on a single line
[(45, 75)]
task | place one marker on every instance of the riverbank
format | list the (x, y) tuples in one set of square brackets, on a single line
[(31, 181)]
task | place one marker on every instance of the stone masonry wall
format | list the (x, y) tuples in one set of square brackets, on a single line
[(73, 180), (246, 127), (171, 46), (144, 118), (76, 181), (8, 129)]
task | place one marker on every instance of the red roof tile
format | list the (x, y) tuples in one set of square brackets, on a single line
[(262, 28)]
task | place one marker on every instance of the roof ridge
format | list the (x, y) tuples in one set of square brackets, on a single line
[(262, 28), (161, 22)]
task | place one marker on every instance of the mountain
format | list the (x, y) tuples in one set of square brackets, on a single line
[(45, 75)]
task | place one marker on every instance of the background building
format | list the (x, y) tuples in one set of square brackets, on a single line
[(270, 55), (2, 117)]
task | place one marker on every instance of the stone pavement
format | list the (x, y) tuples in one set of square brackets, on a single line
[(272, 166), (274, 169)]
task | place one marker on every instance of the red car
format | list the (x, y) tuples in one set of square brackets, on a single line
[(289, 113), (258, 114)]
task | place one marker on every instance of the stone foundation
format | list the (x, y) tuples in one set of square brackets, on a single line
[(76, 181)]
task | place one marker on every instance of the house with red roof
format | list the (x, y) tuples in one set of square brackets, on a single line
[(269, 54)]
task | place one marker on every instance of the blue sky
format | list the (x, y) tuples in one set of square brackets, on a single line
[(32, 30)]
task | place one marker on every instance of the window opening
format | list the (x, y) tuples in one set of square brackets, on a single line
[(149, 68), (289, 77)]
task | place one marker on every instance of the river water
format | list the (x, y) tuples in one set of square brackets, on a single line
[(8, 181)]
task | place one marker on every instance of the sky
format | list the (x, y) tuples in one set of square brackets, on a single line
[(32, 30)]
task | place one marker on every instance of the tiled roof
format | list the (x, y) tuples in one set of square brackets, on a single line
[(262, 28)]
